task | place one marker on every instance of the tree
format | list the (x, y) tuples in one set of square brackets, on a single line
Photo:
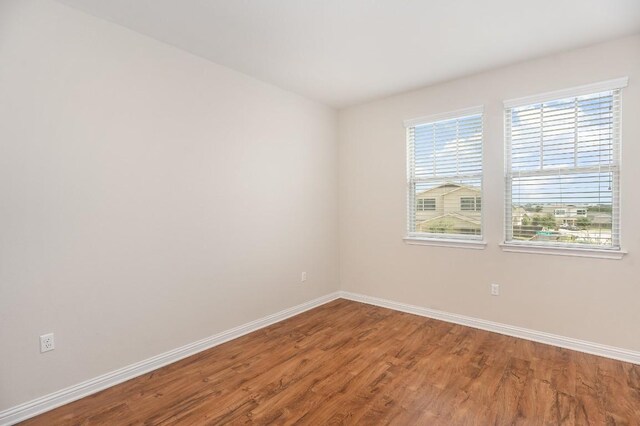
[(546, 221), (583, 222), (526, 221), (535, 221), (538, 209)]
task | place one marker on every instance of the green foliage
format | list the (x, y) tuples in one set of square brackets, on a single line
[(526, 221), (531, 208), (546, 221), (583, 222)]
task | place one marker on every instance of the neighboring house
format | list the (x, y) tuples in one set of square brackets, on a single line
[(565, 214), (600, 219), (450, 208)]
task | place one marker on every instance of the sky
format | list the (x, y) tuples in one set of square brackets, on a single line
[(548, 167)]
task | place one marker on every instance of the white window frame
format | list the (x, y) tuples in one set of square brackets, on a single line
[(563, 250), (424, 209), (428, 239), (474, 204)]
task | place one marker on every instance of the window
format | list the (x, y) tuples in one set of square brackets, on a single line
[(445, 176), (470, 203), (562, 161), (426, 204)]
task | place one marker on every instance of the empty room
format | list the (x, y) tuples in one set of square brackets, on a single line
[(359, 212)]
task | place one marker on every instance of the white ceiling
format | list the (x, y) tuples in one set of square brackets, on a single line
[(342, 52)]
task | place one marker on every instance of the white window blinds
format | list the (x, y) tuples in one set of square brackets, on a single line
[(563, 171), (444, 162)]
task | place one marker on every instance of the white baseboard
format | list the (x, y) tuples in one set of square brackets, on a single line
[(56, 399), (53, 400), (523, 333)]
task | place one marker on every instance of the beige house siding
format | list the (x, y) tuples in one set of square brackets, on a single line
[(448, 212), (450, 222), (564, 214)]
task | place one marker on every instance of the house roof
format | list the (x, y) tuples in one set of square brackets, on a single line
[(454, 187), (454, 215)]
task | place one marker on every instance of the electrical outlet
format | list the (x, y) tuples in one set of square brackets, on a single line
[(46, 343), (495, 289), (303, 277)]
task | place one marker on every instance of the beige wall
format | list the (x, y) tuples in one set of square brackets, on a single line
[(148, 198), (590, 299)]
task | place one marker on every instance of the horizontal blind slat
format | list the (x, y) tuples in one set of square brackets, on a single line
[(562, 172), (445, 178)]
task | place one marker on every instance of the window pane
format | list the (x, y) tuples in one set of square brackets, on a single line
[(443, 211), (448, 148), (445, 175), (426, 204), (563, 173), (467, 203)]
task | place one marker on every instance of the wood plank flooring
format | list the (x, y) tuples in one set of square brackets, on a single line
[(351, 363)]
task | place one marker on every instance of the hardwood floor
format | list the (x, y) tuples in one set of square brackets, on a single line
[(351, 363)]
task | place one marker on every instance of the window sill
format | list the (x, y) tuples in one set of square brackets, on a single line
[(564, 251), (443, 242)]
